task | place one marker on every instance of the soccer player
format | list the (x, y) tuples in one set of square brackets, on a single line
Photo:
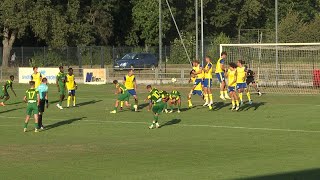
[(43, 93), (4, 90), (175, 99), (33, 99), (36, 76), (196, 91), (71, 87), (123, 95), (207, 83), (232, 82), (165, 98), (241, 81), (198, 72), (220, 75), (158, 105), (131, 84), (61, 84), (251, 82)]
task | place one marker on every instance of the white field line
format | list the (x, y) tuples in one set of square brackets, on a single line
[(93, 122)]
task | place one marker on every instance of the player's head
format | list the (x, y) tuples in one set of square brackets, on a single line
[(195, 63), (61, 68), (240, 63), (192, 73), (44, 80), (149, 87), (223, 55), (32, 83), (11, 77), (232, 65), (208, 59), (115, 82), (130, 72), (35, 69), (70, 70)]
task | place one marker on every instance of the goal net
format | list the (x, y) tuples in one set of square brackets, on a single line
[(292, 68)]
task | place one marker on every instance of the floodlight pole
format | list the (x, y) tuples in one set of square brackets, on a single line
[(197, 30), (202, 48), (276, 28), (160, 36)]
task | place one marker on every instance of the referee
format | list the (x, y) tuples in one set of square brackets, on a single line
[(43, 92)]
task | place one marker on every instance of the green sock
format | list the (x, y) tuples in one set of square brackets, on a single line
[(115, 108), (171, 107), (155, 118), (25, 125), (36, 125), (179, 107)]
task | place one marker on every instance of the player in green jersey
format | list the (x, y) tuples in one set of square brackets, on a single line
[(158, 105), (123, 95), (4, 90), (175, 99), (61, 84), (32, 97), (165, 98)]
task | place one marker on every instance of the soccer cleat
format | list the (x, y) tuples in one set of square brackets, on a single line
[(74, 105), (237, 108), (171, 111), (210, 107), (250, 102), (113, 112), (211, 103), (42, 127), (178, 111), (259, 93), (36, 130), (135, 108), (241, 103), (166, 110), (227, 97), (24, 129), (222, 97), (68, 106), (58, 106), (233, 108), (121, 108), (151, 126), (205, 104), (157, 125), (2, 104)]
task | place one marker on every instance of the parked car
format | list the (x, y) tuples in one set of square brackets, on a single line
[(136, 61)]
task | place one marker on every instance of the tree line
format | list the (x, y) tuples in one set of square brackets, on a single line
[(60, 23)]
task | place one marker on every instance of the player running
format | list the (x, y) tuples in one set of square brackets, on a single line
[(61, 84), (36, 76), (196, 91), (158, 105), (33, 99), (232, 82), (207, 83), (43, 93), (123, 95), (251, 82), (241, 81), (4, 90), (175, 99), (220, 76), (71, 87), (131, 84)]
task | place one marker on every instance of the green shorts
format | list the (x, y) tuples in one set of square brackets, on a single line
[(124, 97), (62, 89), (32, 108), (158, 107)]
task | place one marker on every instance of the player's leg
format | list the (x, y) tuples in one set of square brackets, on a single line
[(210, 96), (61, 97), (237, 100), (254, 85), (171, 103), (155, 110), (69, 98), (121, 105), (179, 104), (73, 94), (36, 118), (240, 90), (115, 107), (248, 95), (26, 123), (1, 97), (206, 95), (5, 98), (189, 99), (232, 100)]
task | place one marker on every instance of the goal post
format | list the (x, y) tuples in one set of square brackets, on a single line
[(292, 68)]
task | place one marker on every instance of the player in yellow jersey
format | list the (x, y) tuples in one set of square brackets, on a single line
[(207, 83), (241, 81), (220, 69), (198, 72), (71, 87), (36, 77), (232, 82), (194, 91), (130, 83)]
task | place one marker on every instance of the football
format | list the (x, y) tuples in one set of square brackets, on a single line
[(173, 80)]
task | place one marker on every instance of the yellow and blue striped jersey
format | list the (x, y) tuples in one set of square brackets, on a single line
[(129, 81)]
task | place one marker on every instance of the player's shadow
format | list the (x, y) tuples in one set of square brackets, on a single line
[(62, 123), (254, 106), (219, 105), (88, 102), (53, 102), (171, 122), (15, 103), (9, 110), (184, 109), (141, 106)]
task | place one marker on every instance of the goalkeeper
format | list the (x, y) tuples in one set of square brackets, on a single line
[(251, 81)]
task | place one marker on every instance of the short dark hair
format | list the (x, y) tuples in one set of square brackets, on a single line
[(223, 53), (130, 70), (115, 82), (44, 79), (192, 71), (233, 65), (70, 69), (34, 67), (11, 76), (32, 83), (241, 61), (149, 86), (60, 67)]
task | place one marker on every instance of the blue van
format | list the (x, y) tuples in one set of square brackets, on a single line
[(136, 61)]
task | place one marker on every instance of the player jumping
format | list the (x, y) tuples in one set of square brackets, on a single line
[(61, 84), (241, 81), (207, 83), (123, 95), (71, 87), (194, 91), (220, 76), (158, 105), (33, 99), (4, 90), (232, 82)]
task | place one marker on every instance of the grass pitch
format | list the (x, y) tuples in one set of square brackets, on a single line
[(275, 138)]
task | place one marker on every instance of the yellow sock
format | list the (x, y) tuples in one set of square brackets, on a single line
[(237, 102), (211, 97), (233, 103), (121, 104), (221, 93), (74, 100), (189, 101), (249, 96), (68, 102), (206, 98), (240, 96), (225, 93)]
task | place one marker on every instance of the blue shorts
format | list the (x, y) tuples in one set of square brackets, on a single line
[(132, 92), (241, 85), (197, 81), (231, 89), (207, 83), (220, 77), (197, 92), (72, 92)]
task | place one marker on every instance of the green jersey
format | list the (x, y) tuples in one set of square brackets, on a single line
[(122, 88), (155, 95), (61, 78), (164, 94), (7, 85), (175, 95), (32, 96)]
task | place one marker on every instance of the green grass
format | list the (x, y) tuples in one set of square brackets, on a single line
[(275, 138)]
